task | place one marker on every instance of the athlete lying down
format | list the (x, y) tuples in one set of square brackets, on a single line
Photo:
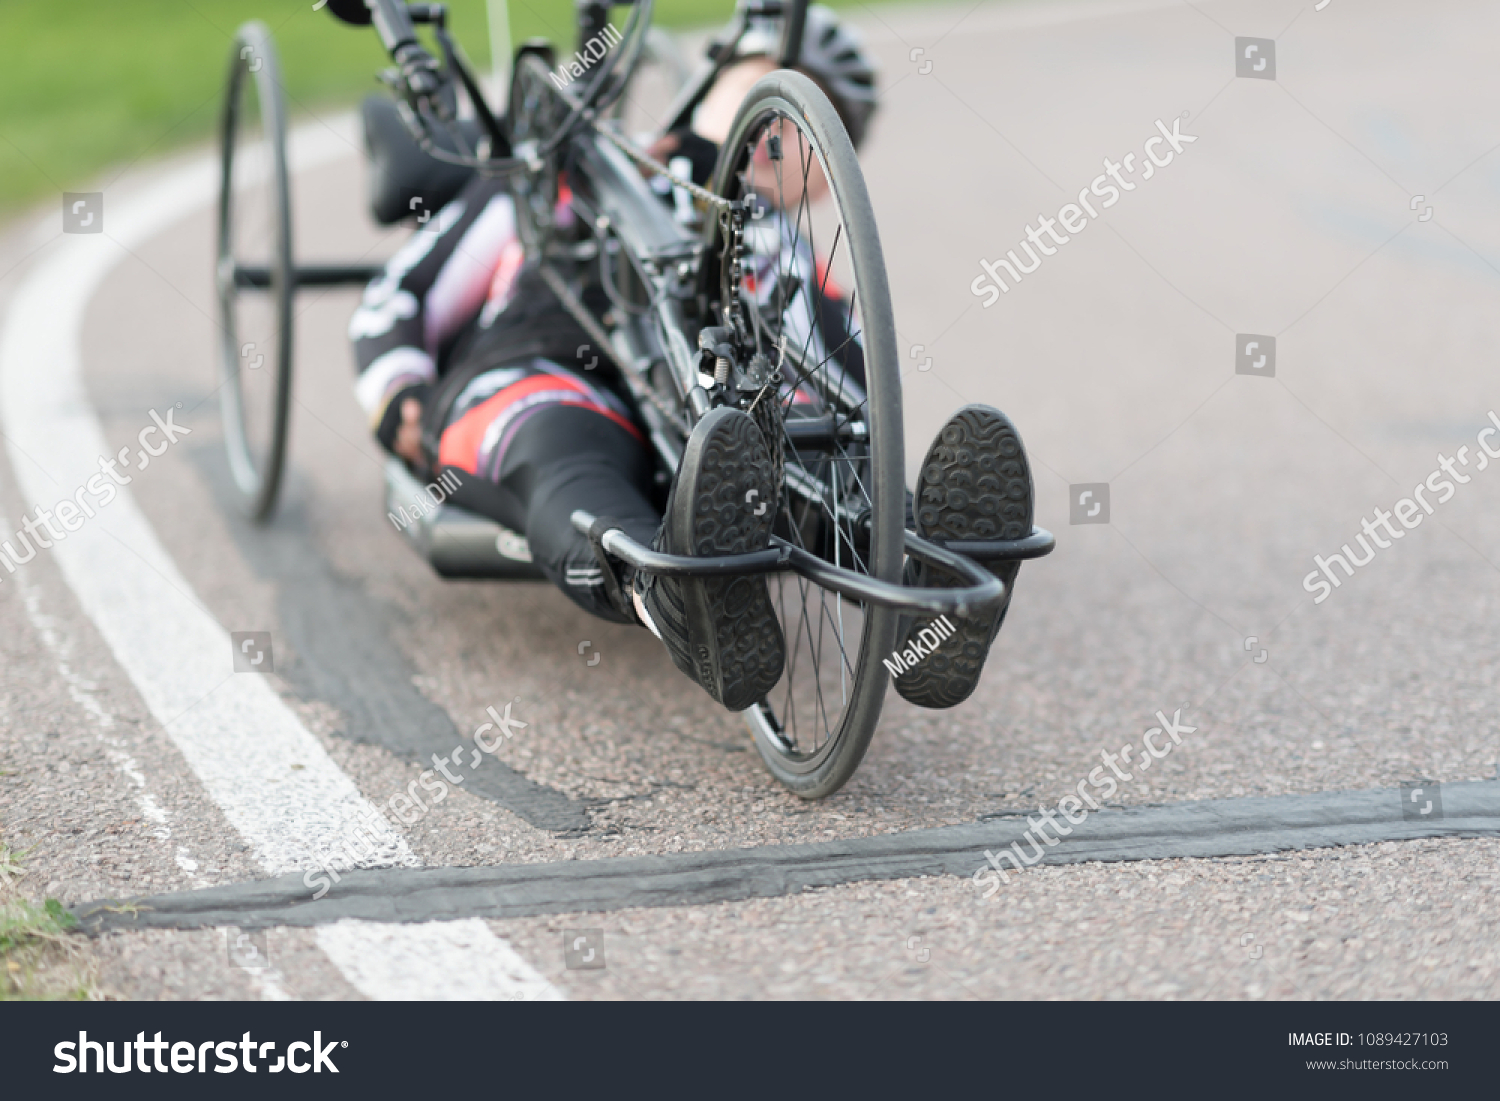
[(467, 362)]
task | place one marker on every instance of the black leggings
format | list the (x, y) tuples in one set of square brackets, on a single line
[(563, 458)]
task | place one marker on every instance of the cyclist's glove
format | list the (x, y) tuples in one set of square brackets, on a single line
[(390, 419), (698, 149)]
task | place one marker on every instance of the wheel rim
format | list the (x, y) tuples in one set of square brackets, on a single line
[(253, 274), (798, 253)]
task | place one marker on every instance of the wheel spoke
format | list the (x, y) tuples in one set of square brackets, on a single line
[(826, 703)]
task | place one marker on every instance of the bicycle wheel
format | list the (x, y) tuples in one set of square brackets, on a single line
[(809, 262), (254, 272)]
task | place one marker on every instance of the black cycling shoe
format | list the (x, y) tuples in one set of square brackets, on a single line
[(721, 631), (975, 484)]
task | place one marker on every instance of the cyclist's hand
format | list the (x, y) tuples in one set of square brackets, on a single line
[(685, 143), (408, 443), (662, 148)]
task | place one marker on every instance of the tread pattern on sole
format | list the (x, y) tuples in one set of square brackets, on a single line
[(721, 631), (975, 484)]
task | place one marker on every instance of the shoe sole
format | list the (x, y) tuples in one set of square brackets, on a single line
[(975, 484), (737, 651)]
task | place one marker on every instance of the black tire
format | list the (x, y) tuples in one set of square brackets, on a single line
[(254, 273), (860, 522)]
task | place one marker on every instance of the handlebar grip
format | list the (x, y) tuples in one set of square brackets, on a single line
[(392, 23)]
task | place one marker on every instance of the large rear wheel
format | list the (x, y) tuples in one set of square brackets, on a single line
[(253, 271), (802, 279)]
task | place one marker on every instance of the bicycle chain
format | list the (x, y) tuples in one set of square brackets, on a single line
[(647, 161), (732, 214), (768, 418), (672, 413), (766, 414)]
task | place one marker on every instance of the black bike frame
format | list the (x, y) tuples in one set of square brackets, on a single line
[(611, 196), (794, 13)]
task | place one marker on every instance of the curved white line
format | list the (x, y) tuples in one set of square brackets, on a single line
[(235, 732)]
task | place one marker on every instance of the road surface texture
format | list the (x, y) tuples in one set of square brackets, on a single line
[(1338, 759)]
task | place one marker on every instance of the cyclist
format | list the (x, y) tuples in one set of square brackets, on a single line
[(469, 364)]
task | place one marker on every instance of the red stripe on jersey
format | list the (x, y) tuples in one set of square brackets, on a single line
[(461, 441)]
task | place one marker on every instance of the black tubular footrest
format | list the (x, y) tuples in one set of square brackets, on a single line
[(627, 550), (984, 593), (596, 533), (309, 275), (1040, 542)]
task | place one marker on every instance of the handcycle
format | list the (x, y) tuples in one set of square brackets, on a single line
[(713, 301)]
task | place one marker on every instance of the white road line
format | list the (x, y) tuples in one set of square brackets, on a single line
[(401, 966), (56, 640), (237, 735)]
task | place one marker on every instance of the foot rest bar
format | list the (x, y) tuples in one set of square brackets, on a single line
[(258, 276), (984, 593), (634, 554), (1040, 542)]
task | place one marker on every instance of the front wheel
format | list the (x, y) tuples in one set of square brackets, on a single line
[(799, 275)]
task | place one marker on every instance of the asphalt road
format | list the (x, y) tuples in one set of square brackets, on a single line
[(1295, 218)]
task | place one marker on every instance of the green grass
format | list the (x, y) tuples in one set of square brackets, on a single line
[(22, 924), (92, 86), (10, 863), (37, 959)]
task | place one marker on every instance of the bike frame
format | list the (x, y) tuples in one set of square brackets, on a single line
[(611, 196)]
